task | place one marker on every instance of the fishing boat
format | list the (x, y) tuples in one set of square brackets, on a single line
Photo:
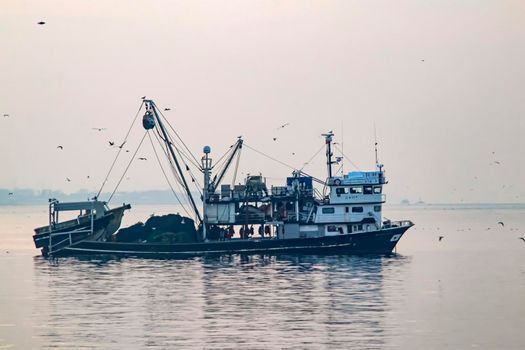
[(344, 217)]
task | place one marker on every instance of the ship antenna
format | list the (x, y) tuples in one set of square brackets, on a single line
[(342, 148), (379, 166)]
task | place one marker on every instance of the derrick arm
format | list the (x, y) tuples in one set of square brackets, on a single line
[(217, 180)]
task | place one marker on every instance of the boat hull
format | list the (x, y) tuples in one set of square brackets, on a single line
[(375, 242)]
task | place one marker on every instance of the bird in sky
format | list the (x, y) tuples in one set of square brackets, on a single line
[(143, 97), (10, 194), (422, 60), (41, 23), (283, 126), (68, 179), (142, 158), (122, 145), (275, 138), (111, 143), (522, 238), (60, 147), (167, 109), (6, 115), (501, 223), (440, 238), (496, 162), (99, 129)]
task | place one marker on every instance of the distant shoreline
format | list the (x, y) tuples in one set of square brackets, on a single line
[(31, 197)]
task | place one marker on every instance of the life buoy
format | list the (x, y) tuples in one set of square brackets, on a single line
[(337, 182)]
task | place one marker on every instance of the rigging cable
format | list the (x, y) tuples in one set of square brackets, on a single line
[(193, 177), (120, 149), (178, 180), (223, 157), (174, 172), (222, 163), (129, 164), (348, 159), (166, 176), (173, 142), (176, 134), (311, 158), (286, 165)]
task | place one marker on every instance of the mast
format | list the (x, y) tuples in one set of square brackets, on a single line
[(329, 154), (206, 167), (172, 152)]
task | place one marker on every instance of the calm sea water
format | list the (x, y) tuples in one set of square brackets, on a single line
[(467, 291)]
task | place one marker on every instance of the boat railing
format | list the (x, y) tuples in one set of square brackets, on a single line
[(69, 238), (401, 223)]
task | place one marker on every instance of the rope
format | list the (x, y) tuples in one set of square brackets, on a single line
[(286, 165), (120, 150), (348, 159), (166, 176), (223, 157), (174, 172), (309, 160), (270, 157), (129, 164), (167, 121)]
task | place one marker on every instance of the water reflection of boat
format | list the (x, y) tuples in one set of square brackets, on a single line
[(345, 218)]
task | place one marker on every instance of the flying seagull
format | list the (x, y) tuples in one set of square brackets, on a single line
[(142, 158), (522, 238), (283, 126), (68, 179), (10, 194), (111, 143), (167, 109), (440, 238), (275, 138), (60, 147), (501, 223), (99, 129), (496, 162), (6, 115), (41, 23), (122, 145), (143, 97)]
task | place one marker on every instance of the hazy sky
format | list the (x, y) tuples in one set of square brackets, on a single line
[(443, 81)]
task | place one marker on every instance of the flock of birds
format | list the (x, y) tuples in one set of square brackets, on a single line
[(440, 238), (112, 144)]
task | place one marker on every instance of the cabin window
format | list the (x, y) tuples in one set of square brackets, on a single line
[(377, 208), (358, 227), (346, 210), (377, 189), (332, 228), (357, 209), (368, 190), (341, 190), (356, 189), (328, 210), (349, 228)]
